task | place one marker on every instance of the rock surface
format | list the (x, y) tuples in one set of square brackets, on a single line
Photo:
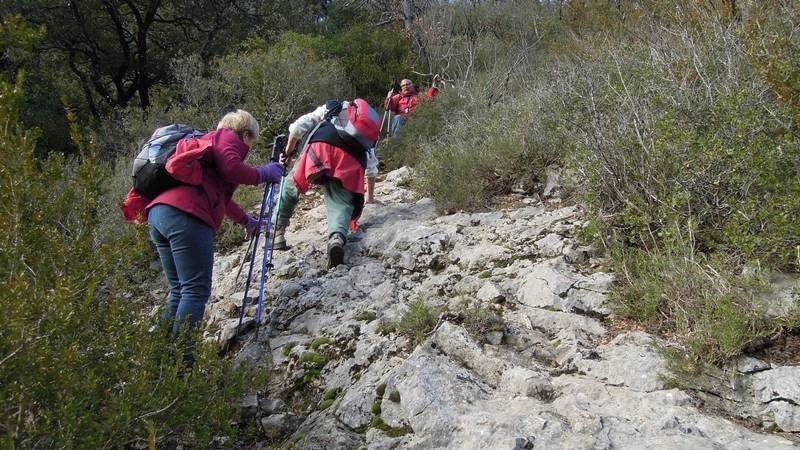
[(512, 349)]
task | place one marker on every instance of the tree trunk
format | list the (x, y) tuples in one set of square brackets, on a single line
[(416, 41)]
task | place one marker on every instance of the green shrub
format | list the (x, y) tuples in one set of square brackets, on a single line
[(80, 366), (372, 56), (320, 341), (418, 321), (275, 83), (701, 302), (393, 432), (477, 156)]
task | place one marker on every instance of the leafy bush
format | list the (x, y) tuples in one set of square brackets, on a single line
[(679, 128), (418, 321), (670, 140), (465, 159), (372, 58), (701, 302), (274, 83), (79, 364), (695, 126)]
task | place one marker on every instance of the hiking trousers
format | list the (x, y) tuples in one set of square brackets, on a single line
[(338, 205), (185, 246), (397, 122)]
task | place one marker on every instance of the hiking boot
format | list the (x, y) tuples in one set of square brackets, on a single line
[(335, 250), (279, 239)]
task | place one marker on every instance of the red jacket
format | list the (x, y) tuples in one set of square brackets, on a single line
[(405, 104), (321, 160), (211, 200)]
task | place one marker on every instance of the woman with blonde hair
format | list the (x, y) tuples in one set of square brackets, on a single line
[(184, 219)]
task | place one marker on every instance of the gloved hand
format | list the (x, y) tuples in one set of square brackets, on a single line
[(250, 226), (271, 172)]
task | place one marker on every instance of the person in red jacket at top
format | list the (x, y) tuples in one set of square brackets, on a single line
[(402, 104), (184, 219)]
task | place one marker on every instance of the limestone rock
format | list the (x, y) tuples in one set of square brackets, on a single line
[(778, 390), (490, 293), (550, 245), (552, 284), (548, 377), (280, 425), (628, 360)]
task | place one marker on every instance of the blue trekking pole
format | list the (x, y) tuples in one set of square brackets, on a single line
[(266, 260), (252, 257), (277, 145)]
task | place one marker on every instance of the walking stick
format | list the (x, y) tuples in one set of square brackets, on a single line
[(277, 145), (383, 120), (254, 240), (245, 257), (266, 260)]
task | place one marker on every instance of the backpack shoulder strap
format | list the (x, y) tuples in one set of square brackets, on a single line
[(332, 109)]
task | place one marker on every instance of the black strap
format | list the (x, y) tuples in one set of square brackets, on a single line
[(330, 134)]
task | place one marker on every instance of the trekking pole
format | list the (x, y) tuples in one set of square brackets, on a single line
[(277, 142), (278, 146), (395, 88), (389, 127), (266, 260), (245, 257), (254, 241), (383, 120)]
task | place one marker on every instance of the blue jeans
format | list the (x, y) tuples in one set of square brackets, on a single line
[(397, 122), (185, 246)]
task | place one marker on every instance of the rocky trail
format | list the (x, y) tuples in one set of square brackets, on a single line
[(469, 331)]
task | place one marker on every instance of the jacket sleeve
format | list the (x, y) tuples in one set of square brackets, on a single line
[(228, 152), (433, 91), (307, 122), (234, 212), (392, 103)]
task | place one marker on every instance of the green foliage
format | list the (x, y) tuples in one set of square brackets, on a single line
[(80, 367), (328, 398), (320, 341), (331, 394), (774, 51), (366, 316), (274, 83), (312, 363), (119, 51), (392, 432), (18, 40), (701, 302), (418, 321), (474, 157), (314, 360), (372, 56)]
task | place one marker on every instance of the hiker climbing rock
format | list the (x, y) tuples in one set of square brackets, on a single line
[(335, 155), (402, 104), (183, 219)]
